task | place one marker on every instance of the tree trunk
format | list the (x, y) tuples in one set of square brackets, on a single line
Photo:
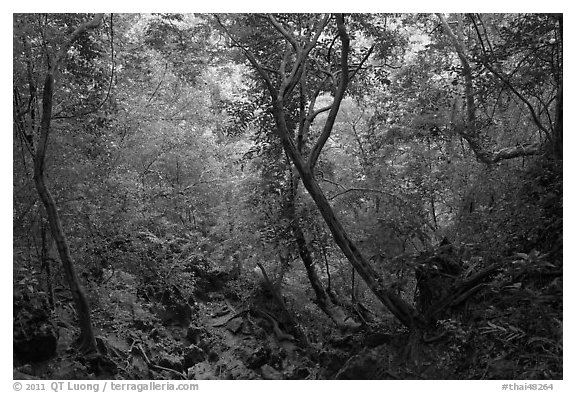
[(397, 306), (45, 264), (332, 309), (86, 341), (402, 310), (557, 148)]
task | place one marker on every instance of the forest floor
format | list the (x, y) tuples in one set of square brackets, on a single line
[(222, 328)]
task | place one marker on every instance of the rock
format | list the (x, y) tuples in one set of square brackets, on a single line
[(66, 338), (179, 314), (234, 325), (332, 360), (342, 341), (194, 334), (246, 328), (23, 376), (258, 358), (183, 313), (358, 367), (171, 361), (139, 365), (300, 373), (235, 369), (368, 364), (101, 366), (202, 371), (213, 357), (268, 372), (193, 355), (375, 339), (38, 344), (143, 325), (224, 310), (68, 369), (35, 335)]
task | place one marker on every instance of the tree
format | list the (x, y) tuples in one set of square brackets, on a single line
[(55, 58), (520, 48), (297, 70)]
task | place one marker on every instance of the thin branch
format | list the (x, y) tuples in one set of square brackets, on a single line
[(362, 62), (332, 182), (506, 80), (24, 138), (318, 31), (157, 87), (266, 68), (329, 53), (521, 97), (361, 189), (308, 118)]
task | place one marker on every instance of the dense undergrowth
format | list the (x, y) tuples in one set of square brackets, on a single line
[(162, 310)]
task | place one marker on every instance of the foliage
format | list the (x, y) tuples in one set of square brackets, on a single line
[(172, 185)]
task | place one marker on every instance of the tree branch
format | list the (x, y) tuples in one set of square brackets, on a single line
[(95, 22), (301, 56), (507, 82), (529, 149), (251, 59), (366, 56), (53, 68), (466, 71), (289, 37), (471, 134), (339, 95), (533, 114), (362, 189)]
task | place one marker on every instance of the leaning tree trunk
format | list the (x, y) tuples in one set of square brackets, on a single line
[(402, 310), (331, 308), (86, 341), (289, 80), (397, 306)]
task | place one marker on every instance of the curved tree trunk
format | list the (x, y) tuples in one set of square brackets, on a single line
[(331, 308), (397, 306), (86, 341), (402, 310)]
